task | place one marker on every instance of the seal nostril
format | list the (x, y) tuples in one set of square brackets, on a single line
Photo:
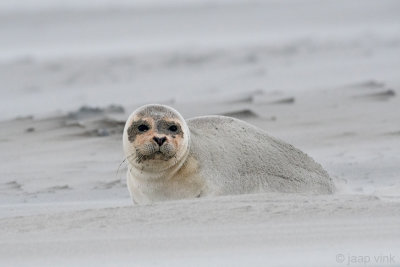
[(160, 141)]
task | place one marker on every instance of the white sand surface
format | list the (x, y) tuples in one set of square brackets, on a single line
[(321, 75)]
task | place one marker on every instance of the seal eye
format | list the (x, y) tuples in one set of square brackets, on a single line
[(143, 128), (173, 128)]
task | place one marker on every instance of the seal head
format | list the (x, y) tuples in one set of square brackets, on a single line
[(155, 139)]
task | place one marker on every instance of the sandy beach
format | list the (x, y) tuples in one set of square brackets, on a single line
[(321, 75)]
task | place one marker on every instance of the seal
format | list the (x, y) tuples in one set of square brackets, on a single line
[(170, 158)]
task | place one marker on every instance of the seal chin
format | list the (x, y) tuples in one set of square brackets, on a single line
[(154, 156), (158, 155)]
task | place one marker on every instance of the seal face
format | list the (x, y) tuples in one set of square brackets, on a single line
[(170, 158), (156, 137)]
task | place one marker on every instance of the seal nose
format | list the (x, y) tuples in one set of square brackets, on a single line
[(160, 141)]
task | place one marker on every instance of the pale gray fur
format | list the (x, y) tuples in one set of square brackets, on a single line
[(157, 111), (235, 157)]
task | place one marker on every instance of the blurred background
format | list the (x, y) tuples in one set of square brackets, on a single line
[(59, 55)]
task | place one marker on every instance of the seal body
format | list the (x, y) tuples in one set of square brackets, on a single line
[(170, 158)]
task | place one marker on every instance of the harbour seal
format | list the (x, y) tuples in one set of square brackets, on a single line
[(170, 158)]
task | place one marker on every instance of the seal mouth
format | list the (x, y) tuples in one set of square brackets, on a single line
[(159, 155), (156, 156)]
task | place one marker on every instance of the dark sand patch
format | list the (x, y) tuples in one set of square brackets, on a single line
[(288, 100), (12, 185), (109, 185), (53, 189), (394, 133), (246, 98), (371, 84), (103, 127), (379, 96), (86, 112), (241, 114)]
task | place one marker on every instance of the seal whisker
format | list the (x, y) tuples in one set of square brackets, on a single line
[(139, 158), (116, 174), (119, 166)]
